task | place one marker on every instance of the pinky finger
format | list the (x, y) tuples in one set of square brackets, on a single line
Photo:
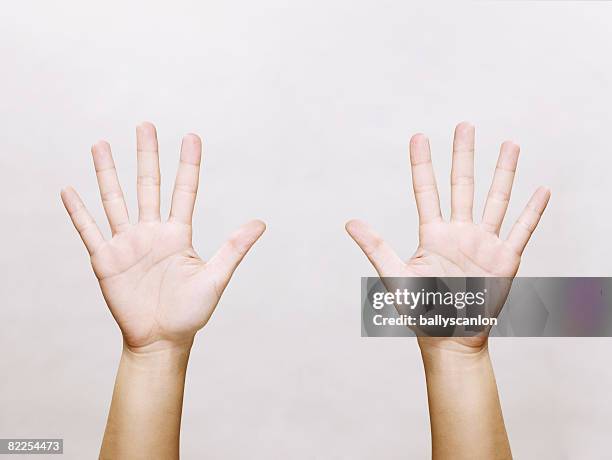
[(82, 220), (528, 220)]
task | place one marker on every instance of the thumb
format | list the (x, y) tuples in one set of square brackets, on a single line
[(381, 255), (229, 256)]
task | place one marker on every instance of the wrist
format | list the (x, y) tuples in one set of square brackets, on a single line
[(161, 346), (453, 353), (158, 357)]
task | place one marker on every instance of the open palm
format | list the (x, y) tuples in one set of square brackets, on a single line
[(459, 247), (156, 286)]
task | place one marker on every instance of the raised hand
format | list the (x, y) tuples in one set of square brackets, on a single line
[(458, 247), (156, 286), (464, 408)]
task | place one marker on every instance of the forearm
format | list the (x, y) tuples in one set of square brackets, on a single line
[(145, 415), (465, 412)]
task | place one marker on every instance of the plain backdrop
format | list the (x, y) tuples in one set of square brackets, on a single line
[(306, 110)]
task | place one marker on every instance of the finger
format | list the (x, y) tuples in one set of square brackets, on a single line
[(187, 177), (501, 187), (424, 180), (82, 220), (229, 256), (381, 255), (110, 189), (148, 173), (528, 220), (462, 173)]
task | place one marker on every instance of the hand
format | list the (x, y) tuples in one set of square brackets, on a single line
[(459, 247), (158, 289)]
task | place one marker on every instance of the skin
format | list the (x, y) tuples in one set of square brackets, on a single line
[(465, 412), (157, 288)]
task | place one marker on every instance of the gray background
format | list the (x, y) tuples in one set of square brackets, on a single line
[(306, 111)]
